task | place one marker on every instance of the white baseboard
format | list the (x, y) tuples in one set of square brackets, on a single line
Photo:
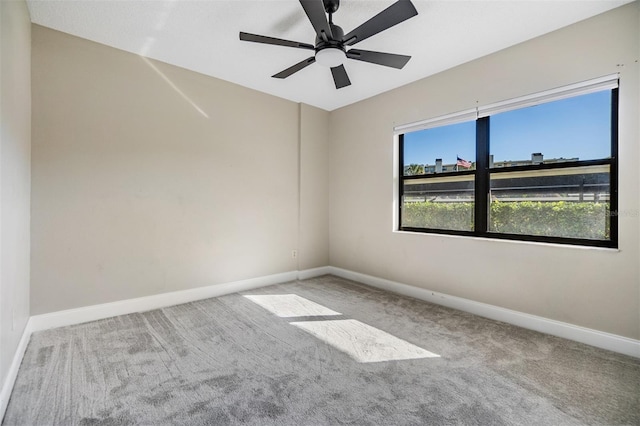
[(315, 272), (589, 336), (142, 304), (12, 374)]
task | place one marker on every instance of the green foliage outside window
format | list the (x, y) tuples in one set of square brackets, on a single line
[(457, 216), (588, 220), (413, 169)]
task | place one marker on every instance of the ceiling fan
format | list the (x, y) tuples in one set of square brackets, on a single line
[(332, 46)]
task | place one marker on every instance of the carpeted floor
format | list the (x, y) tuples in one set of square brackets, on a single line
[(320, 352)]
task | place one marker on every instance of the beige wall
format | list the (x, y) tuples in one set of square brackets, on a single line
[(15, 146), (595, 288), (314, 188), (148, 178)]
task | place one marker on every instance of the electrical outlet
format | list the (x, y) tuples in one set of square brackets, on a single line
[(294, 254)]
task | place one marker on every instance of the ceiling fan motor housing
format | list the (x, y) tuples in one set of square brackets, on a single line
[(331, 52), (335, 41)]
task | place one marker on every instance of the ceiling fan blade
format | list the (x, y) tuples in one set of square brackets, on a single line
[(316, 14), (398, 12), (340, 77), (276, 41), (380, 58), (293, 69)]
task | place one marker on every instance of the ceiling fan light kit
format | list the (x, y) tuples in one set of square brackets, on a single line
[(331, 43), (330, 57)]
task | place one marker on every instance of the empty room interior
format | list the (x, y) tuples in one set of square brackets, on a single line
[(320, 212)]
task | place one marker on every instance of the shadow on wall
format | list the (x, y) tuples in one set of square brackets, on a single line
[(174, 87), (150, 41)]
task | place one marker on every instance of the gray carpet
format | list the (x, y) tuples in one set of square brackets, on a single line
[(324, 352)]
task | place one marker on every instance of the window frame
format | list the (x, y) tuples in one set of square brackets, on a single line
[(482, 178)]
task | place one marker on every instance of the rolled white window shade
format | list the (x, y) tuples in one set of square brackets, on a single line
[(443, 120), (582, 88)]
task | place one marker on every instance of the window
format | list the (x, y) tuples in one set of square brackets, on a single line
[(538, 168), (439, 193)]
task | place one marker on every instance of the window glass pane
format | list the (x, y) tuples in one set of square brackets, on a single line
[(570, 202), (439, 203), (573, 129), (442, 149)]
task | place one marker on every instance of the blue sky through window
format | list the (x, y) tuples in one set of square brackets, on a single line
[(569, 128)]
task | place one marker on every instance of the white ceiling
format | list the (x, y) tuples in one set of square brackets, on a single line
[(203, 36)]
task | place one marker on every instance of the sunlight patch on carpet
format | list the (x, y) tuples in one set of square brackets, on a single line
[(290, 305), (363, 342)]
